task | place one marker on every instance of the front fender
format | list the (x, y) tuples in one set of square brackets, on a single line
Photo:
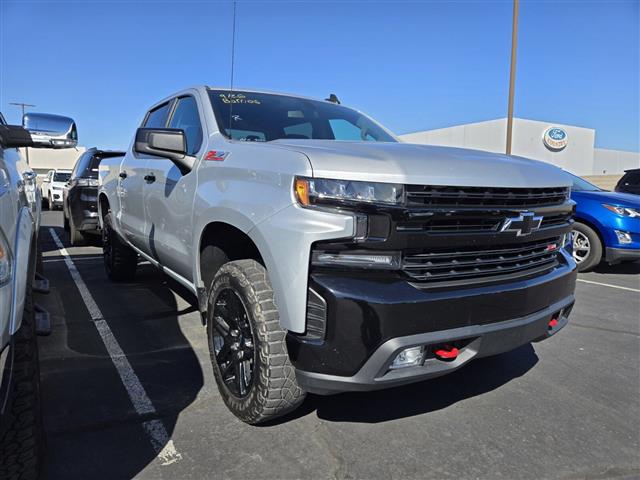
[(284, 241)]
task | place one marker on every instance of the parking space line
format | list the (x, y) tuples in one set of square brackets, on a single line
[(162, 444), (77, 259), (619, 287)]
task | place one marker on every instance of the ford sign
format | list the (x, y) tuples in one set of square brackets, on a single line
[(555, 138)]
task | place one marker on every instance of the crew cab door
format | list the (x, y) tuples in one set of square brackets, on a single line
[(169, 198), (133, 179)]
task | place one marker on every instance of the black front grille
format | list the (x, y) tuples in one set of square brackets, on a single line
[(471, 265), (437, 196), (452, 225), (478, 223)]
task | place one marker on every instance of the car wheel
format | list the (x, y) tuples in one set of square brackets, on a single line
[(66, 223), (247, 345), (21, 435), (75, 235), (587, 247), (120, 260)]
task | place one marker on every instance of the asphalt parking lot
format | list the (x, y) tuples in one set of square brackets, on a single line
[(566, 408)]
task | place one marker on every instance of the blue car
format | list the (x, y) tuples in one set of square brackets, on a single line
[(607, 225)]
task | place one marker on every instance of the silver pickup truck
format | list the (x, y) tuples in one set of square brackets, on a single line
[(327, 256), (20, 200)]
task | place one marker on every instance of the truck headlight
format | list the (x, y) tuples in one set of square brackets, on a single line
[(5, 261), (360, 259), (623, 211), (314, 191)]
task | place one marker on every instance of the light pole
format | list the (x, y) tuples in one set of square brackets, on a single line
[(512, 74), (22, 105)]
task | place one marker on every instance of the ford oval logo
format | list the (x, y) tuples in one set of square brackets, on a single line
[(555, 138)]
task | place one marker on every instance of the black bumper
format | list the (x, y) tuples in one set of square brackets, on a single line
[(617, 255), (369, 320)]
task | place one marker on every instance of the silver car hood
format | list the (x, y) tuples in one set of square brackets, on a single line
[(423, 164)]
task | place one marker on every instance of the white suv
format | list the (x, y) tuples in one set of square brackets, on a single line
[(52, 187)]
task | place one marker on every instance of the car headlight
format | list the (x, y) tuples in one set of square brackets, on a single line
[(314, 191), (5, 260), (624, 211)]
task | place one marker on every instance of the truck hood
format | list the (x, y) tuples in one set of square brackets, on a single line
[(423, 164)]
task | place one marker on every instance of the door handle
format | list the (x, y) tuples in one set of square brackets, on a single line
[(123, 174), (150, 178)]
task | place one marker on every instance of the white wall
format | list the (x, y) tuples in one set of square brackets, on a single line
[(576, 157), (614, 161), (579, 156), (489, 136), (44, 159)]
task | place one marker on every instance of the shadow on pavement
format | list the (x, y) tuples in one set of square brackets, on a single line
[(624, 268)]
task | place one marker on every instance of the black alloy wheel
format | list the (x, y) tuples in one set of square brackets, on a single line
[(233, 342)]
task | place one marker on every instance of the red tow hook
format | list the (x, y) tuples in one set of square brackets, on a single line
[(552, 323), (446, 352)]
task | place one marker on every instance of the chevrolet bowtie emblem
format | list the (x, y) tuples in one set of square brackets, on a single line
[(526, 223)]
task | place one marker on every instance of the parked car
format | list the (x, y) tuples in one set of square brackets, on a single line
[(52, 187), (630, 182), (21, 441), (607, 225), (326, 255), (80, 195)]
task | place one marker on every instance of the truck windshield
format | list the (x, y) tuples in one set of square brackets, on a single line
[(263, 117)]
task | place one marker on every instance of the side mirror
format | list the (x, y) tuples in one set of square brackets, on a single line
[(51, 131), (168, 143)]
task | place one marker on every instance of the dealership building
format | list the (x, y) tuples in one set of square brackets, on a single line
[(567, 146)]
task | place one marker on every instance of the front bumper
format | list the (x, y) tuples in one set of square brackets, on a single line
[(617, 255), (480, 341), (369, 320)]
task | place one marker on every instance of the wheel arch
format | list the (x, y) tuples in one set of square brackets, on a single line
[(103, 208), (594, 226), (233, 241)]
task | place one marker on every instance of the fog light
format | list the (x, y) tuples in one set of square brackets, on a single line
[(409, 357), (623, 237)]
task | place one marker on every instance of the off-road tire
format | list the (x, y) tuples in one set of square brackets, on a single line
[(120, 260), (274, 390), (595, 255), (21, 436)]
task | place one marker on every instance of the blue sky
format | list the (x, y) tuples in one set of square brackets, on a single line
[(413, 65)]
